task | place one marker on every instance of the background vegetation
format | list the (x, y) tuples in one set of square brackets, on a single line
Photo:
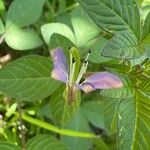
[(32, 108)]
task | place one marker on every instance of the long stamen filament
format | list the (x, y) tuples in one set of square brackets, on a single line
[(72, 72), (72, 68), (83, 68)]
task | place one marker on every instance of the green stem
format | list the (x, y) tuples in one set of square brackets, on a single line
[(53, 128)]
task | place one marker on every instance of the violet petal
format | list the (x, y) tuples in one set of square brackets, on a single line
[(60, 71), (101, 80)]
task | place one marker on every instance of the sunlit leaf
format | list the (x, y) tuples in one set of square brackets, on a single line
[(84, 28), (49, 29), (22, 39), (28, 79)]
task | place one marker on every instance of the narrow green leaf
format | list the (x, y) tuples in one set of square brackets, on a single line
[(146, 30), (45, 141), (123, 45), (22, 39), (28, 78), (77, 123), (8, 146), (114, 15), (24, 12)]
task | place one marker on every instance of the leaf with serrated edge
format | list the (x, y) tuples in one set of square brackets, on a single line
[(115, 15), (123, 45)]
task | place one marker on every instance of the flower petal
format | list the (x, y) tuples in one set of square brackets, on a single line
[(101, 80), (60, 71)]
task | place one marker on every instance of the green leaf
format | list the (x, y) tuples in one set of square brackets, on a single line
[(146, 30), (134, 123), (2, 7), (58, 40), (2, 28), (92, 112), (8, 146), (77, 123), (22, 39), (97, 47), (28, 78), (102, 112), (45, 141), (114, 15), (123, 45), (145, 87), (61, 111), (100, 144), (49, 29), (82, 23), (125, 92), (23, 13)]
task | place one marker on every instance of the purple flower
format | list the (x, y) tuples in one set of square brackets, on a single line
[(99, 80)]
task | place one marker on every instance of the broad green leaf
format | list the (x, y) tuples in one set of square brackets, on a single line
[(8, 146), (45, 142), (28, 79), (49, 29), (134, 123), (61, 111), (24, 12), (114, 15), (146, 30), (77, 123), (123, 45), (22, 39), (92, 111), (2, 28)]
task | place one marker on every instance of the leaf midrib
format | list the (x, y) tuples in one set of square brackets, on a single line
[(117, 15)]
